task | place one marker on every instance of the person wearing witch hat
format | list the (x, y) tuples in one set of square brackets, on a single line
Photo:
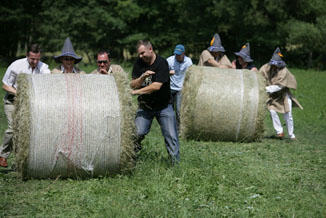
[(279, 81), (67, 59), (214, 55), (243, 60)]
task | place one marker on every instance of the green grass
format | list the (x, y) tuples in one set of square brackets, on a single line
[(272, 178)]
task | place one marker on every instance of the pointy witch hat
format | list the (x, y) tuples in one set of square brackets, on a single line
[(216, 45), (68, 50), (245, 53), (277, 59)]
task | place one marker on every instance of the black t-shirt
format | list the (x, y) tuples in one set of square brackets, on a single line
[(159, 99)]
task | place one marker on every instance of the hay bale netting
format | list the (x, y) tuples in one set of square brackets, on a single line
[(222, 104), (73, 125)]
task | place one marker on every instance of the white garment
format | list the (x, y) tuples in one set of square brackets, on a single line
[(63, 69), (176, 80), (22, 66), (288, 120), (273, 88)]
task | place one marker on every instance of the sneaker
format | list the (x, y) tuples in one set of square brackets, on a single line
[(3, 162)]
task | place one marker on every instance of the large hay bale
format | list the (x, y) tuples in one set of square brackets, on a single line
[(73, 125), (222, 104)]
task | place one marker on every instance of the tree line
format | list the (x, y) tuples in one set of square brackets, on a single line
[(298, 27)]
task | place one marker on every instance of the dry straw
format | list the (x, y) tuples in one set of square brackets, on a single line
[(71, 125), (222, 104)]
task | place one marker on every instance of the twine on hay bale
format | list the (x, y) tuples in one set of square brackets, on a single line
[(73, 125), (222, 104)]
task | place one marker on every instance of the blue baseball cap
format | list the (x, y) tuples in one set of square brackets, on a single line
[(179, 49)]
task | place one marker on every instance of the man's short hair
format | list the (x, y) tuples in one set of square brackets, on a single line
[(145, 43), (103, 51), (35, 48)]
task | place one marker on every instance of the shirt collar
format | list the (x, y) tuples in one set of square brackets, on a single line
[(184, 59), (73, 69), (36, 69)]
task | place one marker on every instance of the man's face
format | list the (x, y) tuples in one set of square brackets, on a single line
[(241, 61), (145, 53), (274, 68), (33, 59), (103, 61), (217, 54), (67, 62), (180, 57)]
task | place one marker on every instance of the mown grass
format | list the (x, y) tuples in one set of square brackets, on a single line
[(272, 178)]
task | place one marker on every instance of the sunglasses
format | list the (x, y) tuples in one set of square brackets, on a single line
[(68, 59), (102, 62)]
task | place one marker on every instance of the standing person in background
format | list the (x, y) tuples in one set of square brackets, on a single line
[(67, 60), (214, 55), (29, 65), (279, 81), (243, 59), (104, 64), (151, 81), (178, 65)]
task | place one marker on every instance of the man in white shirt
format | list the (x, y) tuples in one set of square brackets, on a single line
[(178, 65), (29, 65)]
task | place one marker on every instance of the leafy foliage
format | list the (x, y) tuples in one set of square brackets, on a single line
[(297, 26)]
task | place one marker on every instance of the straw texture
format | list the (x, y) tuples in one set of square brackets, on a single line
[(222, 104), (72, 125)]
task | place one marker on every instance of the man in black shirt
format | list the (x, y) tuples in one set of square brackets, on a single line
[(151, 81)]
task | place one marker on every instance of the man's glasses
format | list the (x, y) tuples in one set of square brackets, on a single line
[(68, 59), (102, 62)]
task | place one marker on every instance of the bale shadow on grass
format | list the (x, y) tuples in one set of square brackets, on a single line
[(6, 170)]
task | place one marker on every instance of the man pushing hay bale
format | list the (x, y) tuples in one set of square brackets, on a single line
[(73, 125), (222, 104)]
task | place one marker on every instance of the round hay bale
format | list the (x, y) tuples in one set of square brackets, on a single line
[(73, 125), (222, 104)]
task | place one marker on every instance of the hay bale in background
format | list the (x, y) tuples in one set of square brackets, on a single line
[(73, 125), (222, 104)]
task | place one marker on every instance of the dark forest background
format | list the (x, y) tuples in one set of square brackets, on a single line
[(298, 27)]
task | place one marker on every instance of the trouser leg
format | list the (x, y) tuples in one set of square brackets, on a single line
[(289, 120), (176, 99), (6, 146), (167, 121), (143, 123), (276, 122)]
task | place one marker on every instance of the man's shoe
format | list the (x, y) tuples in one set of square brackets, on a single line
[(280, 136), (3, 162)]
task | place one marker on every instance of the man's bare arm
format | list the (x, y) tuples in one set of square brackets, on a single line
[(9, 89), (136, 83), (214, 63), (155, 86)]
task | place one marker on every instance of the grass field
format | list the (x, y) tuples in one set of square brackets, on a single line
[(271, 178)]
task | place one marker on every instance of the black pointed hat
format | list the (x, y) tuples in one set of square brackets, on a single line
[(216, 44), (245, 53), (68, 50), (277, 59)]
